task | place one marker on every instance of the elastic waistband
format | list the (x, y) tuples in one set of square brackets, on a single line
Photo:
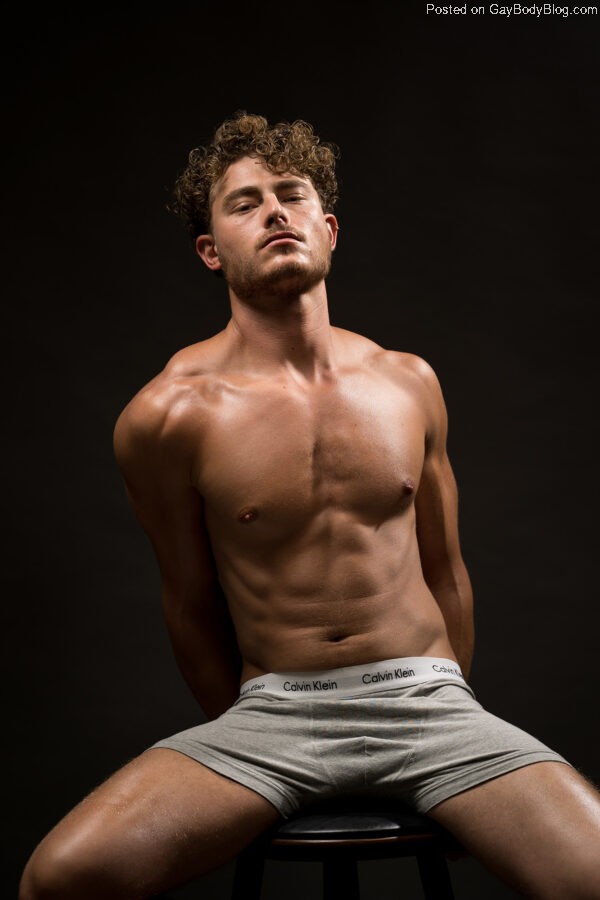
[(354, 680)]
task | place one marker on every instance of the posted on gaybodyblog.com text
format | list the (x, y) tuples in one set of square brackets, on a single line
[(511, 10)]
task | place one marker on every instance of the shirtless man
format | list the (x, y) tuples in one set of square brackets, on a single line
[(294, 481)]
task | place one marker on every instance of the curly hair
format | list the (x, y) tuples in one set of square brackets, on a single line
[(284, 147)]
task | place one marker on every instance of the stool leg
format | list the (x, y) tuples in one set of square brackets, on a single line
[(340, 879), (435, 876), (248, 874)]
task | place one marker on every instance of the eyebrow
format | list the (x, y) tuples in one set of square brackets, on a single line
[(252, 191)]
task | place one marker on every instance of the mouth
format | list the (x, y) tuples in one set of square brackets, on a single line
[(280, 237)]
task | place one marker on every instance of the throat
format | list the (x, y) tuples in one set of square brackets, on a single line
[(297, 337)]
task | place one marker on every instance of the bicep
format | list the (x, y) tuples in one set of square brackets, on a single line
[(436, 505), (436, 502)]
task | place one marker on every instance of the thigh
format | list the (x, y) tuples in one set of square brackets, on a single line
[(160, 821), (537, 828)]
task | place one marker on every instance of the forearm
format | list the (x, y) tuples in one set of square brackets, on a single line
[(455, 599), (207, 655)]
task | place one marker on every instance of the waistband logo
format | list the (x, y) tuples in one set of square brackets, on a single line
[(420, 670), (253, 687), (387, 675), (450, 670), (316, 685)]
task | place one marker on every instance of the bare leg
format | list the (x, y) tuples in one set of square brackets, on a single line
[(537, 828), (160, 821)]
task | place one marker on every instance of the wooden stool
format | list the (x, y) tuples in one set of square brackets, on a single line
[(340, 833)]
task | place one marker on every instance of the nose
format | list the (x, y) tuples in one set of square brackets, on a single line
[(275, 212)]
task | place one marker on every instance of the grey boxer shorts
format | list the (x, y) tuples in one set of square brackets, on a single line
[(409, 728)]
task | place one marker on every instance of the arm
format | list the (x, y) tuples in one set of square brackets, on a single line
[(437, 527), (154, 452)]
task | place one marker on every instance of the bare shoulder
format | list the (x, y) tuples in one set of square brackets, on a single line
[(415, 375), (168, 409), (406, 369), (412, 370), (410, 373)]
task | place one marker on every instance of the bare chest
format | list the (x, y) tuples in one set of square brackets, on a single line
[(278, 456)]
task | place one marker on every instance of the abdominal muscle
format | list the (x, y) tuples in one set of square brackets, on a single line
[(321, 603), (382, 633)]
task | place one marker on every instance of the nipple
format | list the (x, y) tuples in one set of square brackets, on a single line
[(248, 514)]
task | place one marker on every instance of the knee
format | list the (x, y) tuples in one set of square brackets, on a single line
[(42, 876), (54, 871)]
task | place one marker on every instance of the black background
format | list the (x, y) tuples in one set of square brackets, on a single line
[(468, 211)]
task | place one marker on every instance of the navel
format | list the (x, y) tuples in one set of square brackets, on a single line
[(248, 514), (336, 638)]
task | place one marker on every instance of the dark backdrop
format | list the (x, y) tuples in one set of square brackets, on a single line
[(469, 236)]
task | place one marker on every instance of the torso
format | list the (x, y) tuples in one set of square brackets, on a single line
[(309, 505)]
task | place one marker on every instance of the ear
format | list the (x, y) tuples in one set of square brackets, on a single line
[(333, 228), (207, 251)]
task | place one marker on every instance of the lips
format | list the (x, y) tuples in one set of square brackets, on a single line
[(280, 235)]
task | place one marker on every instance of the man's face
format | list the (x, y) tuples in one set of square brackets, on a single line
[(269, 231)]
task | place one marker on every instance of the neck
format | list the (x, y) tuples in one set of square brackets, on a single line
[(295, 335)]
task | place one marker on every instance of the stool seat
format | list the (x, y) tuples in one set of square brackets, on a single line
[(338, 834)]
